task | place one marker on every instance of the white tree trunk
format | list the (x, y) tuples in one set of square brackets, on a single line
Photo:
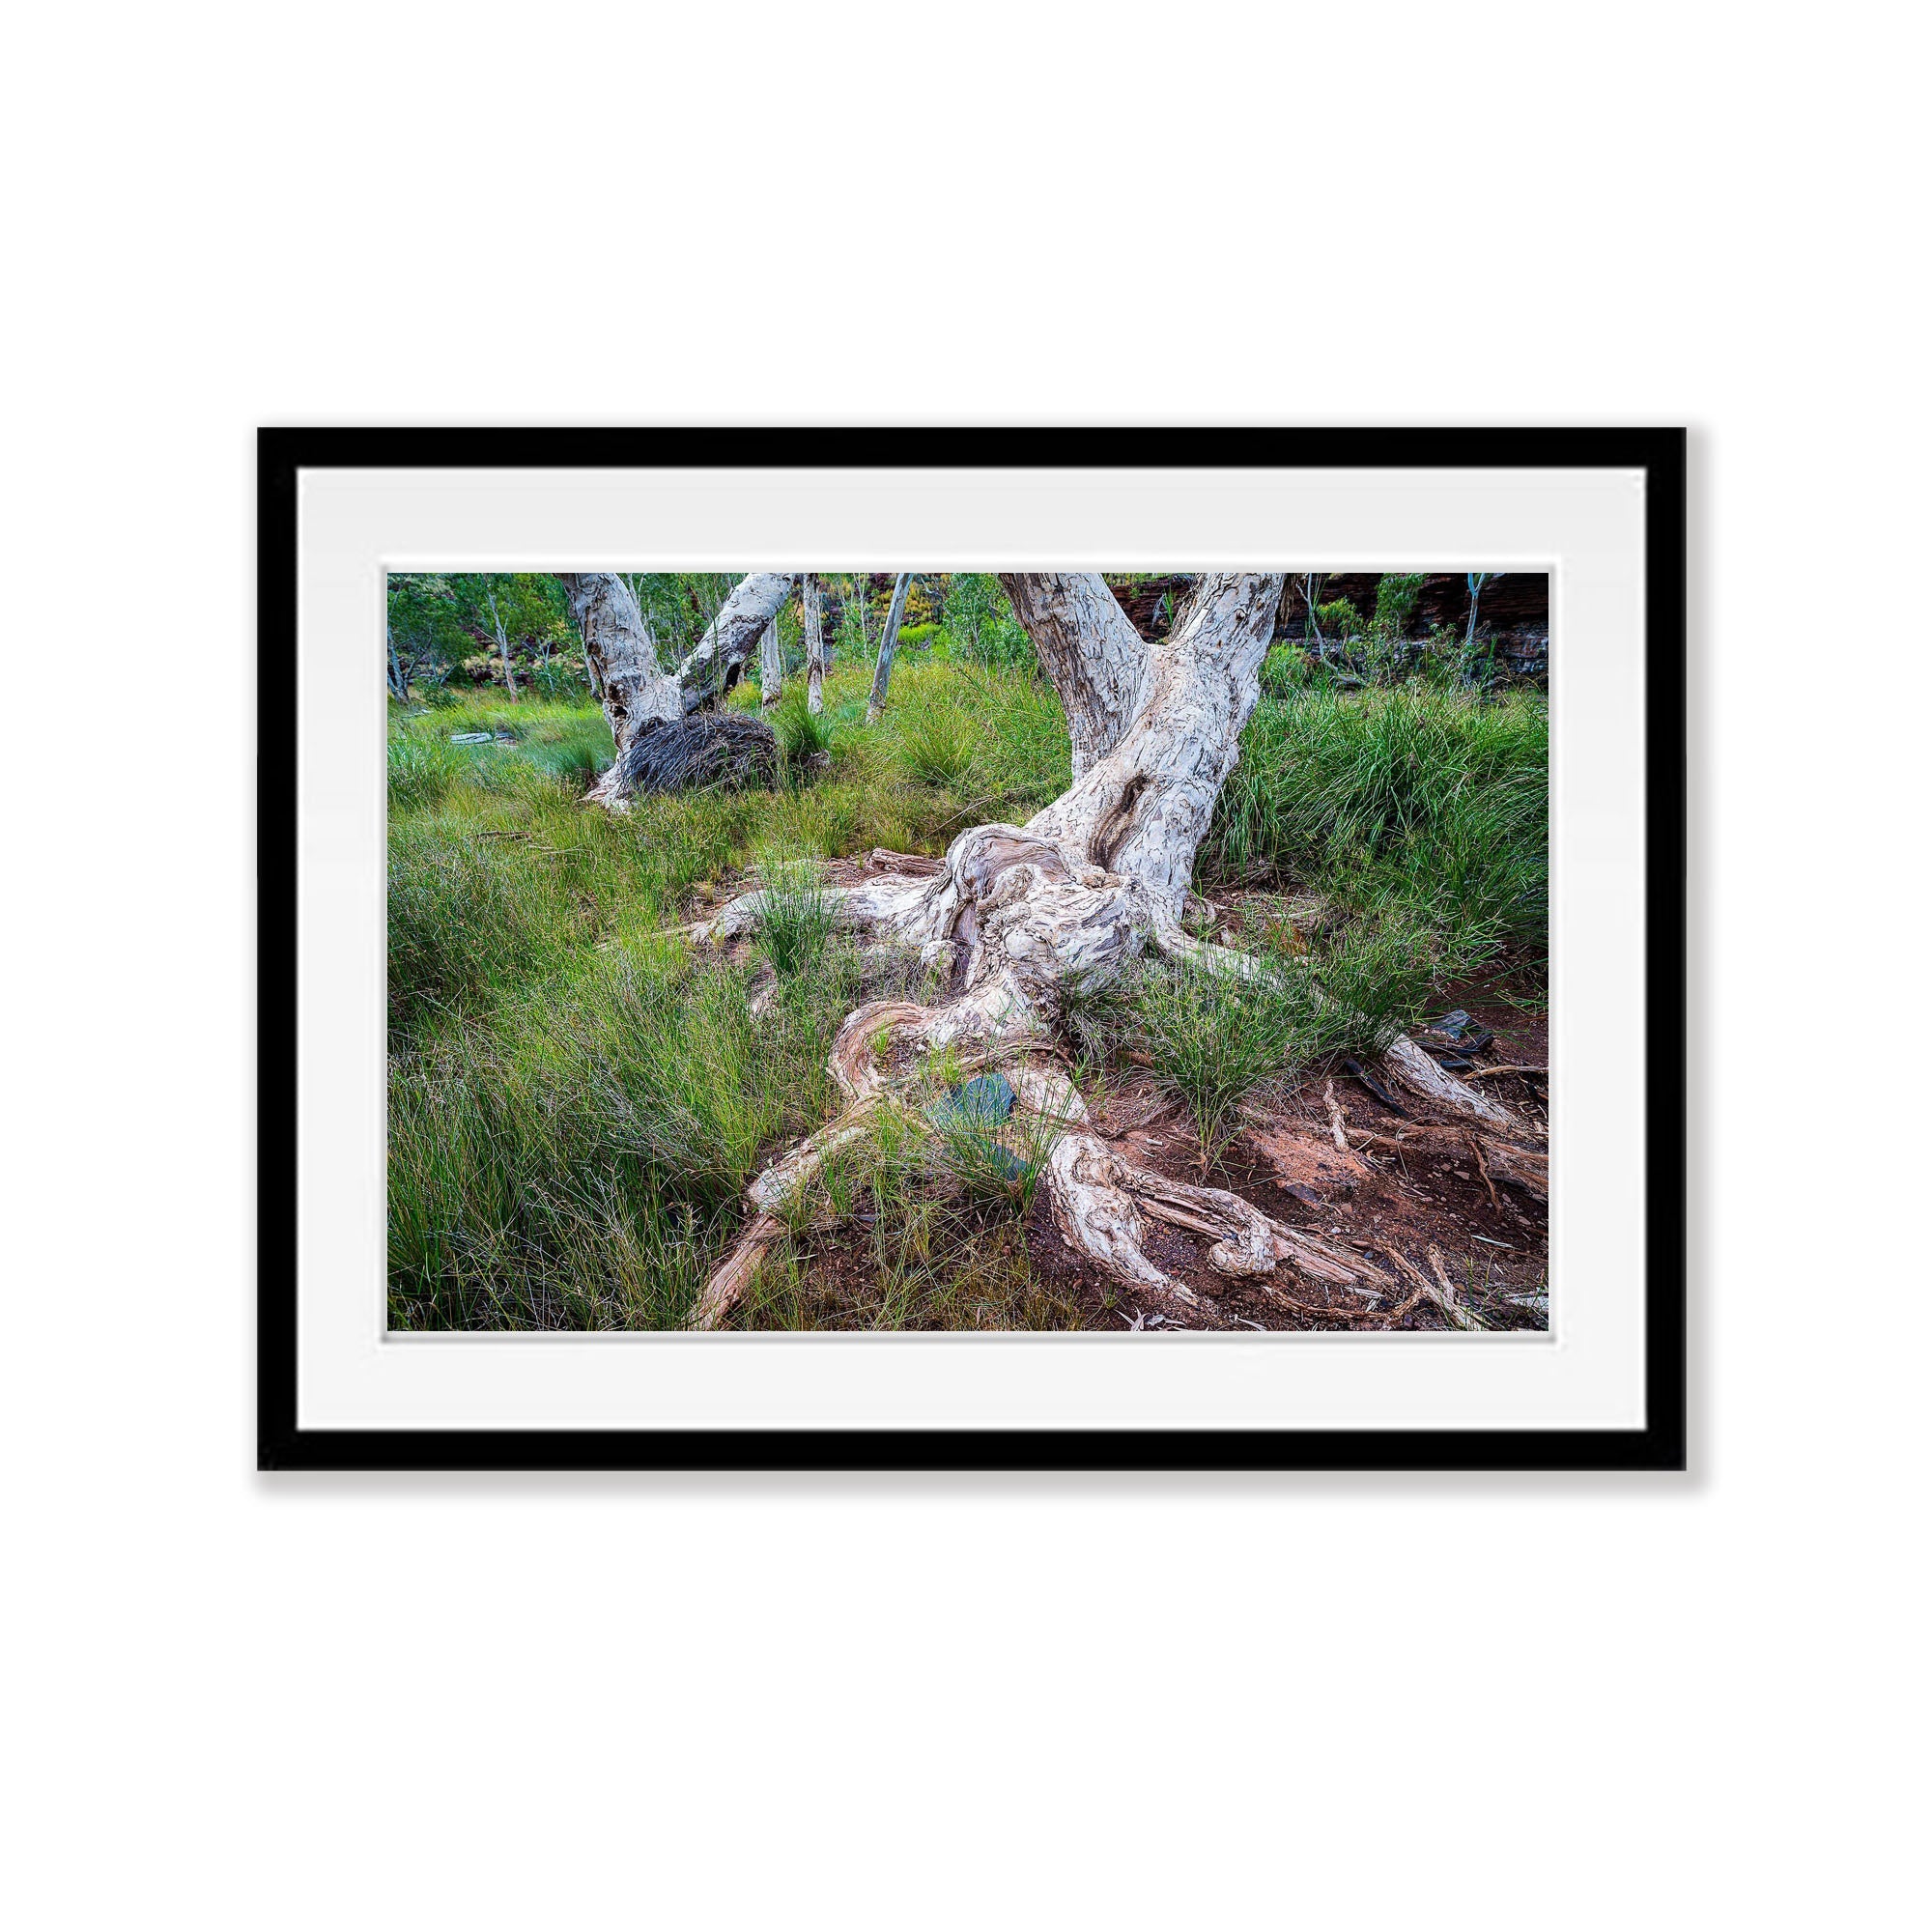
[(1142, 808), (771, 665), (621, 654), (811, 605), (722, 652), (1087, 647), (882, 669), (503, 645)]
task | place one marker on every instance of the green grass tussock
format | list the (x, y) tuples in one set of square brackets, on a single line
[(1405, 803)]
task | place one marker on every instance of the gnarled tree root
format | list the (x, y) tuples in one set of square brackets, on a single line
[(1100, 1202), (1007, 912), (772, 1194)]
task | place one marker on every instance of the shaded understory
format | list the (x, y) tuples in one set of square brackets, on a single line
[(577, 1096)]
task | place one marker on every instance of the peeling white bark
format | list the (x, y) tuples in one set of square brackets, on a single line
[(621, 653), (771, 665), (811, 606), (719, 661), (1143, 808), (882, 669), (1088, 648), (1415, 1071)]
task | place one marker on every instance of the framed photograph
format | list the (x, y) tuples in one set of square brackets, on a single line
[(972, 948)]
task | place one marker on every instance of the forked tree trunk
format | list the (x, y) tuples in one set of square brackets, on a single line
[(882, 669), (1099, 875), (811, 606), (771, 665), (503, 645), (622, 657)]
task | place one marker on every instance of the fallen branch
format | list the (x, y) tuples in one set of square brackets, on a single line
[(1338, 1127)]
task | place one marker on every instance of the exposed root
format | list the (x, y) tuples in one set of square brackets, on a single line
[(883, 905), (1438, 1291), (775, 1190), (1099, 1220), (1526, 1168), (1413, 1068), (1483, 1168), (1099, 1200), (1008, 914), (734, 1276), (772, 1194), (1337, 1128), (855, 1060)]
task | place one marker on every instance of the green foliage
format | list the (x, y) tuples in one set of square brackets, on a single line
[(1396, 598), (856, 639), (1414, 800), (424, 637), (979, 620), (576, 1160), (797, 917), (803, 733), (1284, 671), (1378, 975), (1211, 1037), (938, 743), (441, 624), (996, 1161), (1339, 619)]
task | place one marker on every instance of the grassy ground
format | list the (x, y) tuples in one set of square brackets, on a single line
[(575, 1107)]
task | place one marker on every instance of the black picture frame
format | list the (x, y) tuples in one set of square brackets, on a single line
[(1660, 1444)]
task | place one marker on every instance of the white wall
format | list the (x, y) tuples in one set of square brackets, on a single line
[(1330, 1702)]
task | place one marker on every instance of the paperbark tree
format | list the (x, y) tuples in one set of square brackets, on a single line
[(1096, 877), (882, 669), (771, 665), (622, 656), (635, 688), (502, 646), (811, 606)]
